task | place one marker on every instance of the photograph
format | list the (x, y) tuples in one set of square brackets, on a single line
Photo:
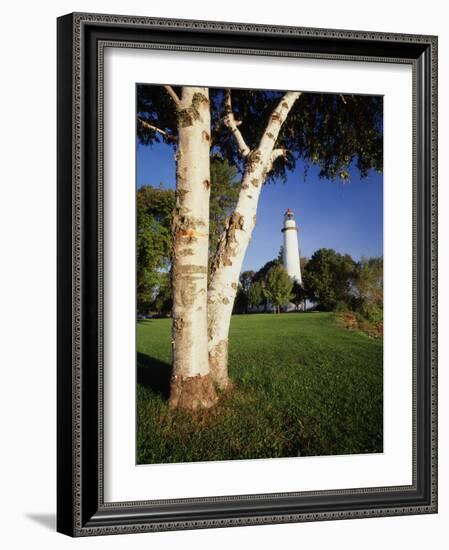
[(246, 273), (259, 274)]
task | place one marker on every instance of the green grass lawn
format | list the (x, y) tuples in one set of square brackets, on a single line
[(304, 386)]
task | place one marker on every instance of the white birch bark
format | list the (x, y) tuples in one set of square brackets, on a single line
[(191, 385), (234, 241)]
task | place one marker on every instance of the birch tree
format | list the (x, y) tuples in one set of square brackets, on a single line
[(235, 239), (332, 131), (185, 121)]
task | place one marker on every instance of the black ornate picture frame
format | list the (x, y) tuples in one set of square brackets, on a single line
[(81, 509)]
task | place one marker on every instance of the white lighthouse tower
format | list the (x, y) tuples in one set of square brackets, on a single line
[(291, 247)]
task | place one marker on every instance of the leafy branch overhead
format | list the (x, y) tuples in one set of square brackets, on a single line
[(331, 131)]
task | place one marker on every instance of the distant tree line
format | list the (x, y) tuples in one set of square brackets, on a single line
[(335, 282), (331, 281)]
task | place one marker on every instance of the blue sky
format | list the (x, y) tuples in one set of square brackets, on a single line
[(346, 217)]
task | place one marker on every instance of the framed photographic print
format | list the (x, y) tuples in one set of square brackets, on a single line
[(246, 274)]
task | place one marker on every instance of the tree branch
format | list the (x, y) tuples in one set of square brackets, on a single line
[(232, 124), (271, 134), (171, 92), (278, 153), (283, 108), (149, 126), (275, 155)]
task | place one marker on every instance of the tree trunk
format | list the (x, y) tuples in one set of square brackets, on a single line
[(234, 241), (191, 384)]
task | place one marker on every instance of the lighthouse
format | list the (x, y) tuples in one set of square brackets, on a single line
[(291, 247)]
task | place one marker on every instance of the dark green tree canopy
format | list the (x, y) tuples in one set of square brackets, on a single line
[(299, 294), (246, 279), (278, 286), (241, 301), (368, 288), (163, 301), (156, 202), (224, 193), (328, 278), (156, 108), (261, 275), (153, 240), (331, 131), (255, 294)]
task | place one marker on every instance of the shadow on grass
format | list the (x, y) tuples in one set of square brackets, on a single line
[(154, 374)]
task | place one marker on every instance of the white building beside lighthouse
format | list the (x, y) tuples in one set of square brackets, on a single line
[(291, 247)]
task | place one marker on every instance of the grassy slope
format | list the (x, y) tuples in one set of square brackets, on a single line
[(304, 386)]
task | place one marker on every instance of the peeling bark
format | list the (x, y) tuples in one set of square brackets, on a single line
[(218, 357), (192, 393), (191, 385), (234, 241)]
